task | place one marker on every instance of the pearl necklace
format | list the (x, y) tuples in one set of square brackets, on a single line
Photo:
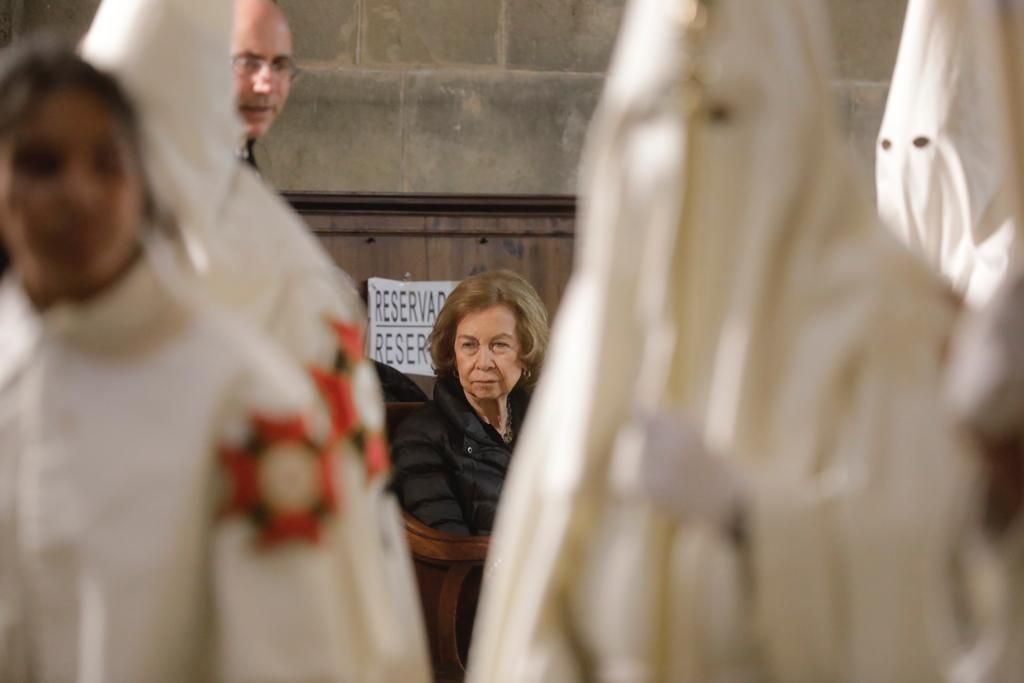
[(508, 434)]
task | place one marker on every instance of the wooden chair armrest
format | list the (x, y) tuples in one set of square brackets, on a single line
[(441, 546)]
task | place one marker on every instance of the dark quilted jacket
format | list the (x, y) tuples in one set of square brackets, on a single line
[(449, 465)]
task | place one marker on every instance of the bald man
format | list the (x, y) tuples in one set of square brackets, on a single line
[(261, 57)]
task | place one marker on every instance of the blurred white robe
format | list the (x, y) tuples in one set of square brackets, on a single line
[(115, 566), (252, 254), (986, 392), (986, 380), (730, 267), (940, 162)]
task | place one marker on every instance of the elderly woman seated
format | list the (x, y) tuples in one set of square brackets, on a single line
[(450, 457)]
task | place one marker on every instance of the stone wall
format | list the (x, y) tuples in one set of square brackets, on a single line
[(474, 96), (477, 96), (866, 35), (70, 17), (6, 22)]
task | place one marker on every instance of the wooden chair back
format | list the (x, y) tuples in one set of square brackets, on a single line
[(449, 571)]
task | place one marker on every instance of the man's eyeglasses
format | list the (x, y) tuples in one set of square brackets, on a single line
[(250, 65)]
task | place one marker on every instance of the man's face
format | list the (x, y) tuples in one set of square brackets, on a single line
[(262, 62)]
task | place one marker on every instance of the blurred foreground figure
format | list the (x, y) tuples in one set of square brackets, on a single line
[(803, 521), (987, 394), (249, 251), (174, 503), (986, 386), (940, 168)]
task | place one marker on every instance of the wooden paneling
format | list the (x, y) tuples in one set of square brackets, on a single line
[(392, 256), (443, 237), (545, 261)]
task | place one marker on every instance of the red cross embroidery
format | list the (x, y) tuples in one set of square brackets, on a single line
[(377, 459), (336, 390), (254, 493), (350, 340)]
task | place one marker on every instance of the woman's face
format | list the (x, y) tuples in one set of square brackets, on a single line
[(487, 353), (71, 197)]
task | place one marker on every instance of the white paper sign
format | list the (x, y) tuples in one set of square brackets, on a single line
[(401, 317)]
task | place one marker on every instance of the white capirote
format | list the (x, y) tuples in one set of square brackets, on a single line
[(940, 162)]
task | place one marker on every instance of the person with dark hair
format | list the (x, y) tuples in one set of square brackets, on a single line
[(451, 456), (174, 503)]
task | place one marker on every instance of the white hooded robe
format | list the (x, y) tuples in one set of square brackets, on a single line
[(245, 248), (940, 161)]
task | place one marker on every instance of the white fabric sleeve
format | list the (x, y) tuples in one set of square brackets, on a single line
[(310, 576), (851, 567), (672, 467)]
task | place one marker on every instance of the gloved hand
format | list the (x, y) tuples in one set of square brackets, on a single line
[(662, 458)]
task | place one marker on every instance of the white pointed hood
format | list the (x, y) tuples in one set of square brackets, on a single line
[(173, 59), (940, 161), (250, 252), (986, 379), (248, 248)]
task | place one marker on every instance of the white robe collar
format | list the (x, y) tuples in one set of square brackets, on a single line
[(128, 317)]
